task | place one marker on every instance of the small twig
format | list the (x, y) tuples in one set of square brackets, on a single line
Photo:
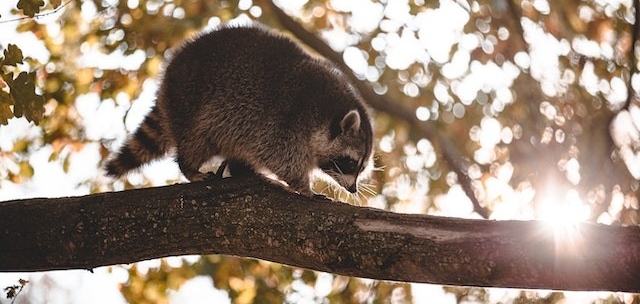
[(11, 290), (518, 22), (37, 15)]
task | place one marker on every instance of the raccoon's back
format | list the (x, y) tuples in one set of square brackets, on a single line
[(244, 63), (241, 83)]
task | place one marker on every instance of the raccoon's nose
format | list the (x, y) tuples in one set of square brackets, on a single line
[(353, 188)]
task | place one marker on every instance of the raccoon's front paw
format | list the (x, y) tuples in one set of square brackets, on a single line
[(304, 191)]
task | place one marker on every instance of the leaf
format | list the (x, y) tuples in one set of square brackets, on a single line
[(30, 7), (11, 291), (12, 55), (5, 98), (5, 105), (5, 111), (55, 3), (26, 101), (26, 171)]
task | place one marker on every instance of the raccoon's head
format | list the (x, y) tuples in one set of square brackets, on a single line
[(347, 153)]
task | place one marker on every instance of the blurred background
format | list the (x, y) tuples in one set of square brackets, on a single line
[(497, 109)]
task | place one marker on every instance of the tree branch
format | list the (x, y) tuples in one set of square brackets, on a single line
[(385, 104), (251, 218), (633, 59), (35, 16)]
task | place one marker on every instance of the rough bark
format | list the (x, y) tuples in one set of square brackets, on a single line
[(251, 218)]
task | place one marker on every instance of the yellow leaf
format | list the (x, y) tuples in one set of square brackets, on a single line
[(25, 169)]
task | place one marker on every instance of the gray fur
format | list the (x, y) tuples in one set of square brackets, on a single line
[(254, 98)]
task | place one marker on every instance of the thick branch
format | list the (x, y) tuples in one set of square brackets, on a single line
[(251, 218)]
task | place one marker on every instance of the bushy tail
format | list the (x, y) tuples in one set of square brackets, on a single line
[(149, 142)]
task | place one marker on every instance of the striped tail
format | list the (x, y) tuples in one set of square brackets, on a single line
[(149, 142)]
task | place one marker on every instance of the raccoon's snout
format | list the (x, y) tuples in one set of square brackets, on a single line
[(349, 182)]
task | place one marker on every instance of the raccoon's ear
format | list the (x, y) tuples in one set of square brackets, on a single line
[(350, 122)]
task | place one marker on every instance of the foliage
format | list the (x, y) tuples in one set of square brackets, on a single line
[(30, 7), (254, 281), (536, 95), (21, 90), (14, 290)]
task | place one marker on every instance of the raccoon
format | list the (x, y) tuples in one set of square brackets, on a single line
[(257, 99)]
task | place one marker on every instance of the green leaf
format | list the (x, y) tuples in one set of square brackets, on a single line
[(12, 55), (30, 7), (26, 101)]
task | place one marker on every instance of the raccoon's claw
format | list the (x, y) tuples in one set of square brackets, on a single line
[(220, 171), (211, 176)]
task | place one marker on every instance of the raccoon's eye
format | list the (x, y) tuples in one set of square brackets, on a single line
[(346, 165)]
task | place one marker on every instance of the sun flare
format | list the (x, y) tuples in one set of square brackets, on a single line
[(558, 210), (561, 218)]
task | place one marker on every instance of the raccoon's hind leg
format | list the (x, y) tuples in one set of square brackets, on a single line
[(236, 169), (147, 143), (239, 169)]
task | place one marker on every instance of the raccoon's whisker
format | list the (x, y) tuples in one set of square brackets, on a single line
[(336, 192), (327, 186), (354, 198), (340, 196), (358, 198), (339, 170), (371, 182), (378, 168), (364, 194), (364, 200), (368, 189), (346, 195)]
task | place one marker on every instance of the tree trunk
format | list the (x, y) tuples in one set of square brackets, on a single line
[(252, 218)]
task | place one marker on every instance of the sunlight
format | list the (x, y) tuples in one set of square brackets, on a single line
[(557, 211), (625, 132), (561, 217)]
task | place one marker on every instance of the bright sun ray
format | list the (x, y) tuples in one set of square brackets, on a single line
[(561, 211), (561, 217)]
